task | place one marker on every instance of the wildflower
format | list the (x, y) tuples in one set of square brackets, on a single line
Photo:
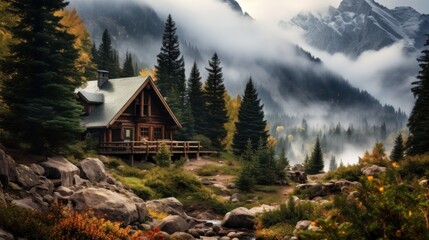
[(410, 213), (370, 178), (398, 233), (381, 189), (313, 223), (395, 165)]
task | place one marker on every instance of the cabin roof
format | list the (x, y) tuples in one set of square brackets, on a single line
[(113, 97)]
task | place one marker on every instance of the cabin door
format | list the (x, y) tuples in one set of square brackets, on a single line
[(128, 134)]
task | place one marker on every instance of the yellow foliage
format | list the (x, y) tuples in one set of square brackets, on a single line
[(232, 107), (148, 72), (377, 156), (6, 20), (157, 215), (75, 26)]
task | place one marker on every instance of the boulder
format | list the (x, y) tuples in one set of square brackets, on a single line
[(374, 170), (64, 191), (181, 236), (303, 225), (2, 200), (170, 205), (297, 176), (172, 224), (194, 233), (298, 168), (26, 177), (5, 235), (116, 206), (37, 169), (92, 169), (7, 169), (142, 211), (263, 208), (60, 168), (28, 203), (312, 189), (423, 183), (45, 186), (239, 218)]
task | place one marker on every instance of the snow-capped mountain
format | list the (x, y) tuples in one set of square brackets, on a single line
[(360, 25)]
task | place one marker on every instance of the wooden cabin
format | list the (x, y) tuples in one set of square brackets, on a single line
[(129, 116)]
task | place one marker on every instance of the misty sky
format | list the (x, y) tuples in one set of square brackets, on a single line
[(275, 10)]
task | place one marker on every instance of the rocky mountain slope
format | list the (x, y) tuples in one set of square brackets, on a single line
[(360, 25)]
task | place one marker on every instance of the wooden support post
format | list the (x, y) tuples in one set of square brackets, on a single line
[(198, 150), (132, 160)]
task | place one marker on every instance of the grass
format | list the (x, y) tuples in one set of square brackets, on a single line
[(276, 232), (265, 195), (213, 170)]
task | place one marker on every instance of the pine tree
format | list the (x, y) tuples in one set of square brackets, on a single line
[(170, 71), (187, 120), (306, 163), (163, 156), (41, 109), (251, 124), (196, 100), (418, 123), (316, 163), (248, 153), (397, 153), (95, 57), (282, 165), (265, 165), (216, 114), (115, 69), (128, 69), (246, 181), (105, 53), (333, 164)]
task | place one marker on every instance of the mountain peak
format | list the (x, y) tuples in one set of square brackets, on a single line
[(360, 25)]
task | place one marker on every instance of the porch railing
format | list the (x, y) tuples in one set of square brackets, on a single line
[(149, 147)]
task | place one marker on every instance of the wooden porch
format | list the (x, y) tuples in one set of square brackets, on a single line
[(150, 147)]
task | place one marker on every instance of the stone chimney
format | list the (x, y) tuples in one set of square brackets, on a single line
[(102, 77)]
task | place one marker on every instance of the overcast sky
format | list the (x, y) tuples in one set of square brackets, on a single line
[(275, 10)]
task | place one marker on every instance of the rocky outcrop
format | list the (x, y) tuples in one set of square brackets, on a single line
[(60, 168), (239, 218), (313, 190), (5, 235), (26, 177), (263, 208), (7, 168), (92, 169), (374, 170), (172, 224), (116, 206), (170, 205), (297, 176)]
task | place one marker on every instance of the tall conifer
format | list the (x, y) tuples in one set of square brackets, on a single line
[(196, 100), (38, 90), (216, 114), (128, 69), (316, 163), (105, 52), (418, 123), (397, 153), (251, 124)]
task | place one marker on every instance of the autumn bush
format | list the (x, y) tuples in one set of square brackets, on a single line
[(350, 173)]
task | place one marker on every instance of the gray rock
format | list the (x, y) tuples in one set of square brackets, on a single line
[(181, 236), (162, 235), (374, 170), (60, 168), (298, 168), (64, 191), (297, 176), (194, 233), (206, 182), (173, 223), (92, 169), (312, 189), (2, 200), (263, 208), (171, 206), (142, 211), (423, 183), (116, 206), (45, 186), (231, 186), (313, 228), (303, 224), (7, 169), (37, 169), (239, 218), (28, 203), (224, 238), (5, 235), (26, 177)]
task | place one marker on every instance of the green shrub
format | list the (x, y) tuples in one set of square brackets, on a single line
[(143, 192), (163, 156), (351, 173), (290, 213), (113, 163), (180, 163), (205, 142), (414, 167), (276, 232), (213, 170)]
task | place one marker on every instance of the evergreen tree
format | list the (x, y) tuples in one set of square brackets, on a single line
[(115, 69), (163, 156), (265, 165), (282, 165), (170, 71), (128, 69), (196, 100), (105, 53), (333, 164), (251, 124), (41, 110), (397, 153), (187, 131), (216, 114), (316, 163), (246, 181), (418, 123), (306, 163), (95, 57)]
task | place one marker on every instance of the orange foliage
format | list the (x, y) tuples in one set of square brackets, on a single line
[(148, 72)]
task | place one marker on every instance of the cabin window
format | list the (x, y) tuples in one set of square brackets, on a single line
[(157, 133), (144, 133)]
